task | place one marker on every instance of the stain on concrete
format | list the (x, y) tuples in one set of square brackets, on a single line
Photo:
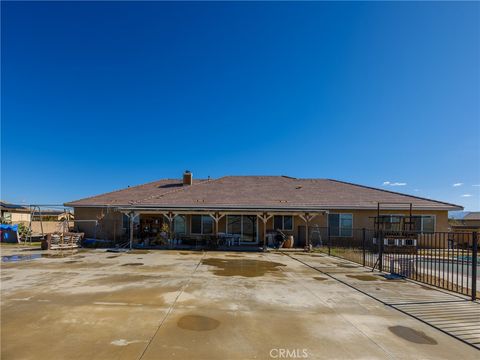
[(364, 277), (71, 262), (347, 266), (113, 256), (320, 278), (132, 264), (412, 335), (197, 323), (242, 267)]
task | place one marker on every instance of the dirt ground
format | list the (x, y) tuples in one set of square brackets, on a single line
[(194, 305)]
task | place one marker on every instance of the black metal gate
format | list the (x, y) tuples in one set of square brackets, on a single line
[(447, 260)]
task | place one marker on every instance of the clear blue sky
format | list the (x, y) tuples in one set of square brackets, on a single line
[(100, 95)]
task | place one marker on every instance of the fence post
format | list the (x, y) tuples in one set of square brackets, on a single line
[(329, 240), (380, 250), (363, 246), (474, 264)]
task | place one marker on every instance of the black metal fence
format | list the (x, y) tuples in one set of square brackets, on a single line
[(448, 260)]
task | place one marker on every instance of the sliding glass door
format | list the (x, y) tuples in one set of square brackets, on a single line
[(244, 226)]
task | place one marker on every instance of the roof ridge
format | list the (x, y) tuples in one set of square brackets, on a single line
[(393, 192)]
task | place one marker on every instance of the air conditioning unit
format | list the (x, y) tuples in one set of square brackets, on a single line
[(410, 242), (390, 242)]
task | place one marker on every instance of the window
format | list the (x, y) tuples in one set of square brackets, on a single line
[(391, 222), (179, 225), (340, 224), (243, 225), (283, 222), (7, 217), (234, 224), (425, 223), (202, 224), (207, 225), (126, 221)]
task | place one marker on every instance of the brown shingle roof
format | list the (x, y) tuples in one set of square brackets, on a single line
[(474, 215), (263, 192), (6, 206)]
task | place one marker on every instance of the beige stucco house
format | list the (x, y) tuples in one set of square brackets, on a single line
[(248, 208), (14, 214), (469, 222)]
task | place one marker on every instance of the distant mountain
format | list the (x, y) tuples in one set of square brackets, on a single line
[(457, 214)]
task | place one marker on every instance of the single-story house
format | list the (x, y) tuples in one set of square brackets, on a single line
[(249, 208), (468, 222), (52, 215), (13, 213)]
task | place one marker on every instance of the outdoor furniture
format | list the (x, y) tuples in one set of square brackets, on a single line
[(229, 239)]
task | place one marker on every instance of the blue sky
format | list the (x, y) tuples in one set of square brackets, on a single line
[(100, 95)]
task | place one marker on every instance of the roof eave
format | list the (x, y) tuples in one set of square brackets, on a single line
[(263, 208)]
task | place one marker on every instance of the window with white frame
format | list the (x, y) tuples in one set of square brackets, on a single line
[(340, 225), (425, 223), (7, 217), (202, 224), (283, 222)]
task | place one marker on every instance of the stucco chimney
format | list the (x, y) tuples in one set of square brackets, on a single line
[(187, 178)]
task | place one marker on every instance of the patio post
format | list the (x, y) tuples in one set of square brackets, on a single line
[(170, 216), (307, 217), (264, 217), (216, 218), (132, 216)]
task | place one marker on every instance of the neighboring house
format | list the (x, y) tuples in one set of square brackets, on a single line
[(43, 221), (249, 207), (52, 215), (14, 214), (469, 222)]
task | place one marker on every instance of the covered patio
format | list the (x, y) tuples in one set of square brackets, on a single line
[(216, 228)]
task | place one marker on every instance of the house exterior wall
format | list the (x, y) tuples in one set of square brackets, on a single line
[(17, 217), (110, 223)]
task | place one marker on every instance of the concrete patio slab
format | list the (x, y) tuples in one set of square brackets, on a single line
[(213, 305)]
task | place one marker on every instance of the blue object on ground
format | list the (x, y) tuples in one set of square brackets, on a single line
[(393, 277), (9, 227)]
